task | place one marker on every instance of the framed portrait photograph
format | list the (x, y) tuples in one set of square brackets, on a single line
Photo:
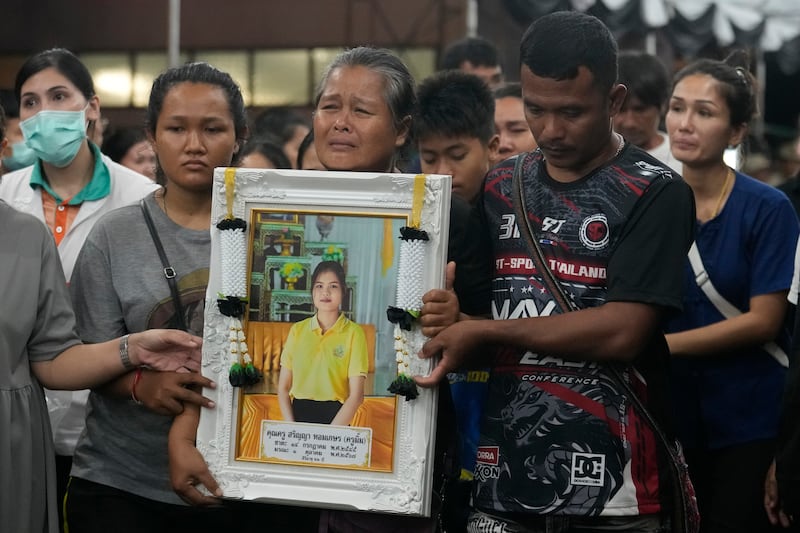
[(315, 282)]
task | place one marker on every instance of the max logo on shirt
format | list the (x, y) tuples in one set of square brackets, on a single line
[(338, 351)]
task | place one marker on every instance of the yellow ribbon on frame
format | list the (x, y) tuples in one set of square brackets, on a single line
[(417, 200), (387, 250), (230, 182)]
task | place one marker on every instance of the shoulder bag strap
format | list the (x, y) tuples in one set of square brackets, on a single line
[(727, 309), (526, 232), (169, 272)]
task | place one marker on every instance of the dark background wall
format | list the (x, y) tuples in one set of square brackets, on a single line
[(109, 25), (141, 25)]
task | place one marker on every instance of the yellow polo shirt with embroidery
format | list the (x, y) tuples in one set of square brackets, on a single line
[(322, 364)]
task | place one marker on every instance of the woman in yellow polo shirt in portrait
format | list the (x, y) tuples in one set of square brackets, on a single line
[(324, 362)]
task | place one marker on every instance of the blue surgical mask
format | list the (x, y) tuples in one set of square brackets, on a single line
[(21, 157), (55, 136)]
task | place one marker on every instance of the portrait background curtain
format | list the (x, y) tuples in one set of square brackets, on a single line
[(375, 290)]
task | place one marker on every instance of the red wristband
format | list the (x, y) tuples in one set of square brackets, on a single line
[(136, 378)]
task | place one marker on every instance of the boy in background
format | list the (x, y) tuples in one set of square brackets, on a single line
[(474, 55), (510, 122), (454, 129), (649, 86), (455, 132)]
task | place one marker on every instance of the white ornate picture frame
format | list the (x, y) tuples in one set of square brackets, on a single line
[(295, 219)]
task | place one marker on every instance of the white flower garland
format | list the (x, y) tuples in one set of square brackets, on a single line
[(408, 305), (409, 277), (233, 249), (233, 245)]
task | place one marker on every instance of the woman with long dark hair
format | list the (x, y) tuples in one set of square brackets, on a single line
[(120, 474), (729, 345)]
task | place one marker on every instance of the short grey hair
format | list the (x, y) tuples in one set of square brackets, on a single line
[(399, 91)]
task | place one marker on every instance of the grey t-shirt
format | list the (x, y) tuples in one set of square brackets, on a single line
[(36, 324), (117, 287)]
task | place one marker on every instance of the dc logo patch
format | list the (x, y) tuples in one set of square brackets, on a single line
[(594, 232), (588, 469)]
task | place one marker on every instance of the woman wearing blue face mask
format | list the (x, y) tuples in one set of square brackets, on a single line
[(69, 186), (16, 154), (20, 156)]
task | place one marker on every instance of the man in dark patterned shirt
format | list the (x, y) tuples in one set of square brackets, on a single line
[(561, 447)]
